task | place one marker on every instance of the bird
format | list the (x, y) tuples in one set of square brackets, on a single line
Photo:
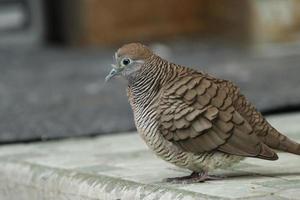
[(192, 119)]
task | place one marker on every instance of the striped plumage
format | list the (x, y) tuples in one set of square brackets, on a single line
[(192, 119)]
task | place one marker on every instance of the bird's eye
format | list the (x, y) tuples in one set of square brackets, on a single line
[(126, 61)]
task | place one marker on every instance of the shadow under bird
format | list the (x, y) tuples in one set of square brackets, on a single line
[(191, 119)]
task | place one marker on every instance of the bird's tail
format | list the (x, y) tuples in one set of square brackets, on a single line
[(276, 140)]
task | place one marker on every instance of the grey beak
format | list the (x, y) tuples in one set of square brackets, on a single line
[(112, 73)]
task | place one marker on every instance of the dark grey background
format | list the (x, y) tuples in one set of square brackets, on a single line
[(51, 93)]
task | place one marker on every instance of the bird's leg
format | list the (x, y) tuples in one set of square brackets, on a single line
[(195, 177), (182, 178)]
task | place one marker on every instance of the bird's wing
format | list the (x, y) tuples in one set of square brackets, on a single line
[(198, 115)]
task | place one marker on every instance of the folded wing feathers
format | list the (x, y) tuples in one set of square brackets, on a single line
[(204, 119)]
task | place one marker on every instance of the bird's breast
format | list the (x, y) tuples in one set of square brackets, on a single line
[(145, 119)]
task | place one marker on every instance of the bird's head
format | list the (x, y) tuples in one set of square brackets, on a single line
[(129, 59)]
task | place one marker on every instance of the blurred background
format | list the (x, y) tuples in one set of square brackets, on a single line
[(54, 55)]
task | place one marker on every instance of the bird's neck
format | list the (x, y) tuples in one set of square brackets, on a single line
[(146, 85)]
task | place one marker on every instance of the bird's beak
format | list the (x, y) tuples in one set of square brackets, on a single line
[(114, 72)]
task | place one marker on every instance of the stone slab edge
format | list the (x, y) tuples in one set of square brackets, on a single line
[(23, 180)]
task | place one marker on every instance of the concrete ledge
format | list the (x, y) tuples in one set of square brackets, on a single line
[(121, 167), (32, 181)]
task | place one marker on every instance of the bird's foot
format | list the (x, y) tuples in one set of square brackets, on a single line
[(195, 177)]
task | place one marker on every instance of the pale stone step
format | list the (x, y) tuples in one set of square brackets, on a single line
[(121, 167)]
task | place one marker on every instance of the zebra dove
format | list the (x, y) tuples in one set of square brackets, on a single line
[(191, 119)]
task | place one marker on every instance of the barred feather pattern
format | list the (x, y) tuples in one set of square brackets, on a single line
[(194, 120), (267, 134), (144, 92)]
